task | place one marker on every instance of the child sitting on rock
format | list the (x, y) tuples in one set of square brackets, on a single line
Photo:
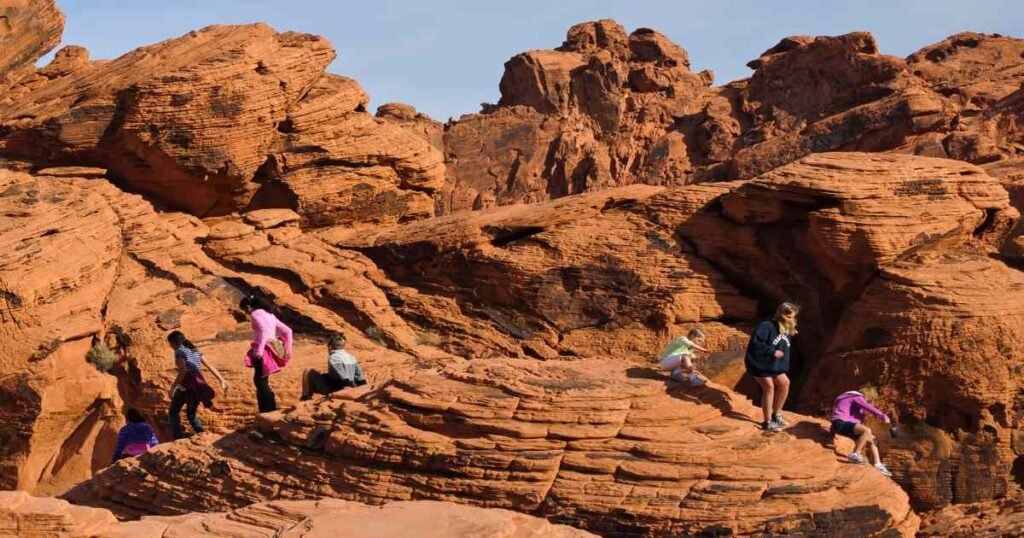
[(847, 415), (678, 357), (135, 438), (343, 371)]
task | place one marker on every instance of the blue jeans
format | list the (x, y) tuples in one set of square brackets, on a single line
[(191, 404)]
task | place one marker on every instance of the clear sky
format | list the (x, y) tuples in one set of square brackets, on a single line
[(445, 57)]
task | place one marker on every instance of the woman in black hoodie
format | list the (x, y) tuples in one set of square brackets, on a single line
[(767, 361)]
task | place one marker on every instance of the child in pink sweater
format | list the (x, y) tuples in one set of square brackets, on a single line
[(262, 357), (847, 415)]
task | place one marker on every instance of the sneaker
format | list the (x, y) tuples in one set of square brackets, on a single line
[(770, 427), (883, 469), (679, 376), (695, 380), (777, 418), (856, 458)]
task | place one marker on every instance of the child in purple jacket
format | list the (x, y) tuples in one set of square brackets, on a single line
[(135, 438), (847, 415)]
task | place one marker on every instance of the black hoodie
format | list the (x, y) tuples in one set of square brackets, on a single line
[(766, 340)]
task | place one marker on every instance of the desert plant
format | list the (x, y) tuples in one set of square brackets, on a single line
[(429, 339), (101, 357)]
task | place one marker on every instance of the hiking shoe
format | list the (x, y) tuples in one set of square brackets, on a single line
[(856, 458), (777, 419), (883, 469), (770, 427)]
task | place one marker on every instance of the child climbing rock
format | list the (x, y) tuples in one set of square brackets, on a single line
[(847, 415), (134, 438), (767, 361), (343, 370), (190, 387), (678, 357), (262, 357)]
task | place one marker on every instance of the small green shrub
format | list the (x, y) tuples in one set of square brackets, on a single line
[(101, 357), (429, 339)]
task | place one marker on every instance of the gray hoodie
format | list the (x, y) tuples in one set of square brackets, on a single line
[(344, 368)]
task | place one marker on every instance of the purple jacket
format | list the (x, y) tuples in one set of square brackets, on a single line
[(850, 407), (134, 434)]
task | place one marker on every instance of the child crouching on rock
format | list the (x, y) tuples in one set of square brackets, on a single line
[(847, 415), (343, 370), (678, 357), (134, 438)]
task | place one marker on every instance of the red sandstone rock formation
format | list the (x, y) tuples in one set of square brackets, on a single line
[(84, 258), (222, 119), (25, 516), (990, 519), (28, 30), (593, 443), (886, 253), (608, 109)]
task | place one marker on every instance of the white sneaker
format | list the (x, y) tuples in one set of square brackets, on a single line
[(679, 376), (883, 469), (777, 418), (856, 458), (695, 380)]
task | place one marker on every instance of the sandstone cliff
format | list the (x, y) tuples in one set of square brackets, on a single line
[(27, 517), (619, 199)]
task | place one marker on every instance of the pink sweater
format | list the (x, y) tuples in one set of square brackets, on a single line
[(851, 405), (265, 327)]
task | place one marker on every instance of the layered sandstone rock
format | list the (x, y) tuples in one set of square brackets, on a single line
[(577, 277), (608, 109), (85, 260), (593, 443), (25, 516), (222, 119), (991, 519), (28, 30)]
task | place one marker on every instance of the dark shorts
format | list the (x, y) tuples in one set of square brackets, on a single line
[(754, 371), (844, 428), (323, 383)]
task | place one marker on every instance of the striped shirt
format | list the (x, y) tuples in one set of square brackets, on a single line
[(192, 357)]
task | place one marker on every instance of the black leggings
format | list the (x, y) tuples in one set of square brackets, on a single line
[(265, 399), (183, 398)]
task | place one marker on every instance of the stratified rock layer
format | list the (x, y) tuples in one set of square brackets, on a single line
[(608, 109), (27, 517), (223, 119), (592, 443), (84, 260), (28, 30)]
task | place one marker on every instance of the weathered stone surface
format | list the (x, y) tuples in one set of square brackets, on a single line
[(28, 30), (84, 259), (25, 516), (224, 119), (593, 443), (991, 519), (583, 276), (935, 331), (610, 109)]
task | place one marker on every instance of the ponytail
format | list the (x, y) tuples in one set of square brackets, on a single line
[(252, 302), (178, 339)]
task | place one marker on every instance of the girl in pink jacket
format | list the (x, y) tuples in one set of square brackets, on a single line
[(262, 357), (847, 415)]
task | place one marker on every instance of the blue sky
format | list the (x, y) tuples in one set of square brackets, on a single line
[(445, 56)]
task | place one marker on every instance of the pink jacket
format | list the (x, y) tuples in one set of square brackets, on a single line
[(266, 327), (851, 405)]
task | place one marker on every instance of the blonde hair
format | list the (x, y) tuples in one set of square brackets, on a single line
[(869, 392), (695, 333), (785, 309)]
